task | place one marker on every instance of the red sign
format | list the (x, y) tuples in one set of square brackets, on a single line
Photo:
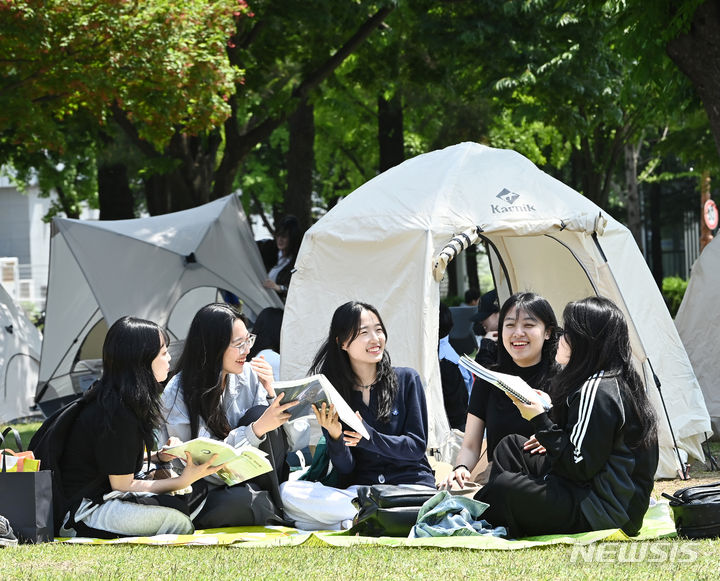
[(710, 214)]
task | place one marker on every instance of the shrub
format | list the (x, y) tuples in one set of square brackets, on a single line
[(673, 290)]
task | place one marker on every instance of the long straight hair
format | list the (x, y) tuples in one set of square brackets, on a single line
[(597, 334), (127, 379), (201, 367), (539, 308), (267, 328), (333, 361)]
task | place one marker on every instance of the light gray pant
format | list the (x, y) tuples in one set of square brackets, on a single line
[(123, 517)]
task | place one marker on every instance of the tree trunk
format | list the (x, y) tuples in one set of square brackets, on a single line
[(300, 165), (390, 132), (656, 234), (632, 197), (189, 183), (114, 193), (697, 54)]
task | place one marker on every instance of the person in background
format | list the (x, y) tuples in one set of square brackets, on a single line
[(267, 343), (600, 438), (529, 333), (287, 239), (112, 435), (472, 296), (391, 402), (218, 394), (486, 328), (456, 380)]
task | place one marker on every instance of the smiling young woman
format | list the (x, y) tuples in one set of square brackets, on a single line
[(390, 401), (218, 394), (529, 333)]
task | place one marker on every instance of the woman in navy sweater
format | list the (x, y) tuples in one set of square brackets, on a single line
[(391, 403)]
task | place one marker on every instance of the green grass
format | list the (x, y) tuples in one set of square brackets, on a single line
[(358, 562), (628, 561)]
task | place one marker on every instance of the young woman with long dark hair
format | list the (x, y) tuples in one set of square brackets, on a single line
[(217, 395), (110, 437), (600, 438), (391, 402), (288, 237), (526, 347)]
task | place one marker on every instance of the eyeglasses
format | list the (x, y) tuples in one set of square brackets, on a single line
[(246, 343)]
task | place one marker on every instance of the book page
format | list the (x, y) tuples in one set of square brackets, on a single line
[(242, 463), (511, 384), (317, 389)]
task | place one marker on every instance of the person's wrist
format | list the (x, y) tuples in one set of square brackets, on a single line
[(257, 430), (461, 466)]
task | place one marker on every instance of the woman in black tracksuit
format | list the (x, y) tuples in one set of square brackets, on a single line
[(601, 442)]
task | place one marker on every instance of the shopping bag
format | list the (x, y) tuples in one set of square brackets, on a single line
[(26, 500)]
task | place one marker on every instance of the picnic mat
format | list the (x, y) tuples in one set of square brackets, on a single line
[(657, 524)]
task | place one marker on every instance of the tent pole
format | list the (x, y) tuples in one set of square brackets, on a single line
[(667, 416)]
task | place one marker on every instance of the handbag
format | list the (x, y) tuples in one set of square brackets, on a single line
[(696, 510), (26, 500), (386, 510)]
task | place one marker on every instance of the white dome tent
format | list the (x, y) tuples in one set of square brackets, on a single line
[(380, 245), (697, 320), (19, 360)]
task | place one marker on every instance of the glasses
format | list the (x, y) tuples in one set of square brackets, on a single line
[(246, 343)]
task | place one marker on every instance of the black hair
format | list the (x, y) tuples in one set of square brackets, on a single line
[(446, 321), (597, 334), (201, 366), (471, 294), (130, 346), (539, 308), (290, 227), (333, 361), (267, 328)]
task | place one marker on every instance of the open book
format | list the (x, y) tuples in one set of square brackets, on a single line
[(511, 384), (243, 463), (317, 389)]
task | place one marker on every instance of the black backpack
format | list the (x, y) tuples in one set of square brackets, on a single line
[(48, 444)]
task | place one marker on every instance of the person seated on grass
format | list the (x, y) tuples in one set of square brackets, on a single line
[(600, 438), (107, 443), (217, 395), (267, 329), (391, 403), (529, 331)]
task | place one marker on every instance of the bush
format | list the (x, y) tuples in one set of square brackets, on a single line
[(673, 290)]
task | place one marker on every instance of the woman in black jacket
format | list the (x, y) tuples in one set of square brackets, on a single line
[(601, 443)]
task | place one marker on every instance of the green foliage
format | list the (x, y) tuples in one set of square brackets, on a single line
[(162, 62), (673, 289)]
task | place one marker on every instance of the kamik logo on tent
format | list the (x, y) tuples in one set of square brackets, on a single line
[(510, 198)]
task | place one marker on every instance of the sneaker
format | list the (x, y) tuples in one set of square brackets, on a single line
[(7, 536)]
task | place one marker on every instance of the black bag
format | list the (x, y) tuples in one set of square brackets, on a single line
[(48, 444), (696, 510), (26, 500), (388, 510)]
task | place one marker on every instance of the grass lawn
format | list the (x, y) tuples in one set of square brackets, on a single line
[(656, 560)]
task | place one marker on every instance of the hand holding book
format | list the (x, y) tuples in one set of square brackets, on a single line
[(512, 385)]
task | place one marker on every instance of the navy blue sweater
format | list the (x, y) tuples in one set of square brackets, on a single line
[(395, 453)]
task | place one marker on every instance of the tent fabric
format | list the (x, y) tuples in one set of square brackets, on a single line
[(161, 268), (378, 245), (696, 322), (19, 360)]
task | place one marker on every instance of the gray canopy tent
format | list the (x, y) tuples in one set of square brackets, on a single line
[(161, 268)]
